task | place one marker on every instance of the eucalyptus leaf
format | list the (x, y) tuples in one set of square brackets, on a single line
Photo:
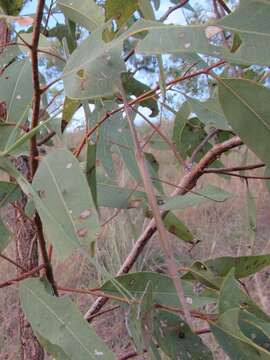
[(163, 289), (16, 91), (178, 228), (177, 340), (207, 193), (59, 322), (64, 191), (240, 298), (230, 337), (94, 68), (83, 12), (4, 236), (248, 114)]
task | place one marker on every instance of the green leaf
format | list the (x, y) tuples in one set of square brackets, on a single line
[(153, 167), (192, 136), (83, 12), (209, 112), (4, 236), (255, 329), (230, 337), (105, 133), (201, 272), (250, 22), (9, 192), (57, 226), (209, 192), (52, 349), (140, 320), (120, 10), (195, 38), (59, 322), (180, 121), (112, 196), (176, 227), (90, 171), (177, 340), (94, 68), (135, 87), (248, 114), (163, 289), (227, 301), (244, 265), (44, 44), (14, 146), (252, 217), (64, 191), (16, 90), (69, 109), (8, 55), (11, 7)]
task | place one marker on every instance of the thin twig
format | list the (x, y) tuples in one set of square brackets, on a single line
[(225, 6), (164, 241), (202, 144), (164, 137), (247, 177), (22, 277), (234, 168), (141, 98), (12, 262), (172, 9)]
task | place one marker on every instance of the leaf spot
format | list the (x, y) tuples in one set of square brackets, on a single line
[(98, 353), (187, 45), (82, 232), (85, 214), (189, 300), (69, 165)]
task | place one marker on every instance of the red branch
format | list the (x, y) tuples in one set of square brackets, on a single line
[(22, 277)]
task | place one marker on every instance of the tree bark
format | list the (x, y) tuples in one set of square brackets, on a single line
[(25, 237)]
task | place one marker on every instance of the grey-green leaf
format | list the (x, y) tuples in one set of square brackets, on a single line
[(64, 191), (163, 289), (177, 340), (59, 322), (83, 12), (248, 114), (4, 236), (94, 68), (239, 299), (230, 337), (16, 90), (209, 192)]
